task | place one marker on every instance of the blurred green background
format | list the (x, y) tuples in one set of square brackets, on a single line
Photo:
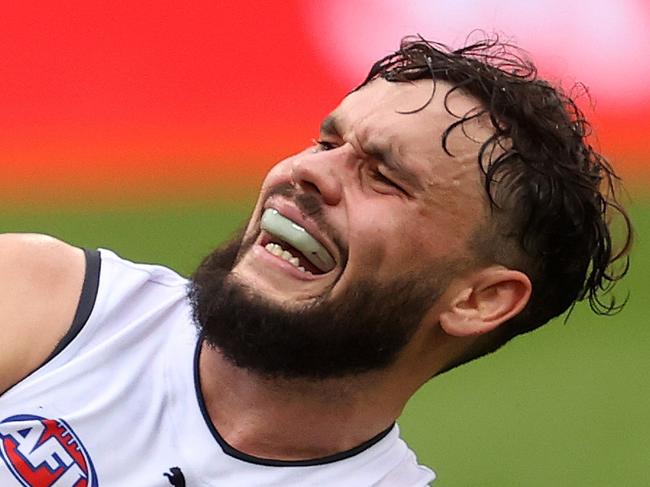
[(565, 406)]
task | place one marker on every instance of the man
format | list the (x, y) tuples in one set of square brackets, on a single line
[(450, 204)]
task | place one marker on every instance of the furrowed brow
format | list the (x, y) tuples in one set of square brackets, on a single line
[(330, 126)]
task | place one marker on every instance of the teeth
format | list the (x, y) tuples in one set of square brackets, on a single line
[(277, 249), (292, 233)]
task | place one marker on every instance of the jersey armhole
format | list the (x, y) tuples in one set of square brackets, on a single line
[(86, 301), (84, 309)]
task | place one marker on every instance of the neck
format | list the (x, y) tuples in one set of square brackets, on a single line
[(292, 419)]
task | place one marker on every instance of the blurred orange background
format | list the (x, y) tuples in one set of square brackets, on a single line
[(121, 101)]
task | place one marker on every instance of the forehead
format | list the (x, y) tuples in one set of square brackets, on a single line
[(414, 115)]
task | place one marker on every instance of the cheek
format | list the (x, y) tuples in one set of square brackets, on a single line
[(385, 242), (366, 237), (444, 234), (451, 214)]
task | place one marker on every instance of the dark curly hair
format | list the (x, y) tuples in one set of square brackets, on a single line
[(552, 196)]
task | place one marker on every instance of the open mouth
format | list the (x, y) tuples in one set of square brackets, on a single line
[(291, 242)]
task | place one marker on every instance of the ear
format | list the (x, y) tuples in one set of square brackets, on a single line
[(480, 302)]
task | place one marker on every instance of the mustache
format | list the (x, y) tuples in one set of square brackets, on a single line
[(311, 205)]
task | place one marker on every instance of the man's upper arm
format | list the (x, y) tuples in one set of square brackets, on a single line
[(40, 285)]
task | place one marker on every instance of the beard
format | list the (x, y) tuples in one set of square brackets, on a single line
[(360, 330)]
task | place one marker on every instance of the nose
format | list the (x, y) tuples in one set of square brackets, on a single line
[(319, 173)]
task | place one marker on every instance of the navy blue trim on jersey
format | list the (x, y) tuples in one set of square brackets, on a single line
[(86, 301), (233, 452), (84, 308)]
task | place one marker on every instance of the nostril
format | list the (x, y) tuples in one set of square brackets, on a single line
[(314, 177), (309, 187)]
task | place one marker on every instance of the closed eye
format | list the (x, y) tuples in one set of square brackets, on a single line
[(378, 176), (323, 145)]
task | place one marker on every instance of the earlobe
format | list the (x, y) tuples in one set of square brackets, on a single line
[(484, 300)]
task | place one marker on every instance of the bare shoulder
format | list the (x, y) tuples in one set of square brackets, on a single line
[(40, 285), (38, 258)]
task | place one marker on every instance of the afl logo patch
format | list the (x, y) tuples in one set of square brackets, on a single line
[(44, 452)]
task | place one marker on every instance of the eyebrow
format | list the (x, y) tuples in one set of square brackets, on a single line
[(331, 126)]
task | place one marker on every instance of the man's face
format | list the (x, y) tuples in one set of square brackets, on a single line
[(379, 196), (351, 240)]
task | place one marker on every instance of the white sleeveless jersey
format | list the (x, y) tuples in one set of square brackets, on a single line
[(117, 404)]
